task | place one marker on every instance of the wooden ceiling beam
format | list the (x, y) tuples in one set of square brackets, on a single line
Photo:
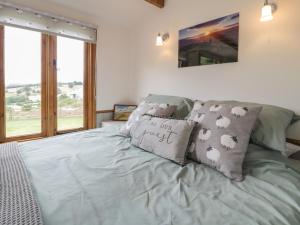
[(158, 3)]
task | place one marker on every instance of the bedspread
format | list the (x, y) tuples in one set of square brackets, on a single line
[(97, 178)]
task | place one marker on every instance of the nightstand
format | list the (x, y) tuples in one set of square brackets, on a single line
[(112, 123)]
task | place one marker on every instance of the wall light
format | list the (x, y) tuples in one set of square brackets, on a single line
[(266, 12), (160, 39)]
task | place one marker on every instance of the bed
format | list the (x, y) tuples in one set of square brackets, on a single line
[(97, 177)]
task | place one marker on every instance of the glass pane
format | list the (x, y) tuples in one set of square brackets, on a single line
[(70, 73), (22, 81)]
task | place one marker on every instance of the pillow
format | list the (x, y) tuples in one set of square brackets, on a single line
[(184, 105), (168, 138), (293, 131), (162, 110), (270, 130), (291, 149), (222, 138)]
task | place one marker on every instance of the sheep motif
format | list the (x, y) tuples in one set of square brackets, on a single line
[(152, 104), (204, 134), (223, 122), (198, 106), (199, 117), (213, 154), (152, 111), (229, 142), (164, 106), (239, 111), (215, 108)]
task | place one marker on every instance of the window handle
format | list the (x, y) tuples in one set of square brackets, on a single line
[(55, 64)]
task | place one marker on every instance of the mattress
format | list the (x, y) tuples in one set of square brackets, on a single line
[(97, 177)]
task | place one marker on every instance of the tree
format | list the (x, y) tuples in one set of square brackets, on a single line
[(27, 89), (63, 97), (70, 85), (27, 107), (15, 100), (77, 83), (9, 111)]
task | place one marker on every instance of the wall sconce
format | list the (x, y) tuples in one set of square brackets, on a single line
[(267, 12), (160, 39)]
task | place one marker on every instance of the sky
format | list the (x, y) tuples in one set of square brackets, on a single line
[(209, 27), (23, 57)]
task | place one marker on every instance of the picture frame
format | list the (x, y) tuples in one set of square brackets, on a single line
[(212, 42), (123, 111)]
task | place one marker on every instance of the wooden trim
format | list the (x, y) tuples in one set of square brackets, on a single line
[(3, 137), (44, 85), (23, 138), (49, 71), (104, 111), (89, 85), (2, 86), (158, 3), (70, 131), (49, 89), (295, 142)]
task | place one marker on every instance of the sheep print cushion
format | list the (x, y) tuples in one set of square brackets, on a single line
[(153, 109), (222, 136), (168, 138)]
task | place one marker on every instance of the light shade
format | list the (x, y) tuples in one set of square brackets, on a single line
[(266, 13), (159, 40)]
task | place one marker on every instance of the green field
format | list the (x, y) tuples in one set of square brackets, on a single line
[(33, 126)]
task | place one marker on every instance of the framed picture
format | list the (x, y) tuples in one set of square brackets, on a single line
[(122, 112), (213, 42)]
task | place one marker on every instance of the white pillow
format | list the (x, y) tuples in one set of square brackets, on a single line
[(155, 109)]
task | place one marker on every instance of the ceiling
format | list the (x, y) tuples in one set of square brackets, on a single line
[(124, 12)]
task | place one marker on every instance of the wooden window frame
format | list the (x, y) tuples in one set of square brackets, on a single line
[(49, 89), (89, 89), (2, 86), (3, 137)]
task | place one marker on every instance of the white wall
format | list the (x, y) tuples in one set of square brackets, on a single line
[(114, 54), (115, 67), (268, 70)]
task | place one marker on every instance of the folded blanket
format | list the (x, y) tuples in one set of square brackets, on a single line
[(18, 205)]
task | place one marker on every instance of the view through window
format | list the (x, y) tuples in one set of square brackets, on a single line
[(28, 101), (22, 81), (70, 78)]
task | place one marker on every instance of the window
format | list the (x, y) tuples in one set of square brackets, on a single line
[(46, 84), (70, 79), (22, 82)]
